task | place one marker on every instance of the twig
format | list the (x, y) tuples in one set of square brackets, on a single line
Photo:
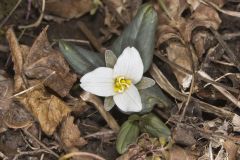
[(223, 63), (29, 153), (99, 106), (39, 20), (188, 46), (4, 157), (232, 56), (230, 36), (30, 88), (219, 78), (83, 154), (100, 133), (40, 143), (97, 45), (9, 15)]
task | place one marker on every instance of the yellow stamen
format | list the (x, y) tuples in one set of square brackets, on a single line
[(121, 84)]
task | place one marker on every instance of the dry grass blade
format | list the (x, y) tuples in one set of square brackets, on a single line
[(167, 87), (234, 90), (95, 42), (99, 106), (227, 12), (39, 142), (230, 53), (11, 12), (222, 90), (38, 22)]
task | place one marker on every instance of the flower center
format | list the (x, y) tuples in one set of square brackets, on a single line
[(121, 84)]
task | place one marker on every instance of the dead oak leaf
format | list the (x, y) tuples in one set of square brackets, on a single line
[(69, 8), (178, 54), (17, 59), (70, 134), (48, 109), (6, 90), (17, 117), (42, 61)]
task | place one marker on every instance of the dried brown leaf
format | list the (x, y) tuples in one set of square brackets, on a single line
[(70, 134), (6, 90), (178, 153), (130, 154), (48, 109), (43, 61), (194, 3), (232, 149), (179, 55), (69, 8), (183, 137), (17, 117), (17, 59), (119, 12)]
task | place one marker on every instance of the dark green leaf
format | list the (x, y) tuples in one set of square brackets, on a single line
[(81, 60), (140, 33), (151, 124), (154, 96), (127, 135)]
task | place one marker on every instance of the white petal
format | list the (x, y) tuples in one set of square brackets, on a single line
[(129, 65), (99, 82), (129, 100)]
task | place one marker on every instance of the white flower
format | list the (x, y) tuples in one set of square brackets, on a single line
[(118, 82)]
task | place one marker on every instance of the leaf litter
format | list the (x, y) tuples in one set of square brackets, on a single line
[(193, 65)]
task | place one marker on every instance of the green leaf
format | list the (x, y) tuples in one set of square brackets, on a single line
[(127, 135), (151, 124), (80, 59), (140, 33), (154, 96)]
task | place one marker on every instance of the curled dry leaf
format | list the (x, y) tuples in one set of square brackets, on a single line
[(48, 109), (71, 135), (179, 54), (183, 137), (119, 12), (185, 16), (17, 117), (42, 61), (178, 153), (6, 90), (17, 59), (69, 8)]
